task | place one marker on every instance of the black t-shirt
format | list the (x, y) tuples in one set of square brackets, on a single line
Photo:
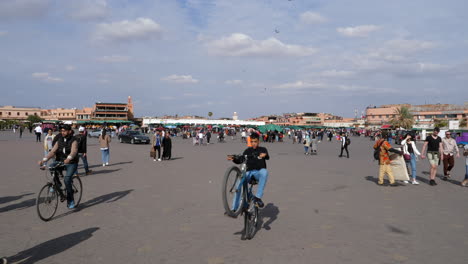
[(255, 163), (433, 144), (410, 148)]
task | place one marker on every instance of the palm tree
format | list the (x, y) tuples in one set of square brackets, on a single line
[(463, 122), (210, 114), (403, 118)]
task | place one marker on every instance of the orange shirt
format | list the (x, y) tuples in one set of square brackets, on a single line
[(249, 142), (384, 157)]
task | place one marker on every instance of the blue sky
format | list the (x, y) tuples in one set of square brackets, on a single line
[(252, 57)]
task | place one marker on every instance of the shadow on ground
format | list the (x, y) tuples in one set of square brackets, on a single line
[(107, 198), (111, 164), (8, 199), (52, 247), (19, 206), (271, 212)]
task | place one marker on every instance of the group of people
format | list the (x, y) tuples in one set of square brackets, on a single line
[(435, 149), (161, 142)]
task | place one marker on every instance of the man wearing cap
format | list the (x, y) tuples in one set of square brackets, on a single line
[(434, 148), (82, 149), (450, 149)]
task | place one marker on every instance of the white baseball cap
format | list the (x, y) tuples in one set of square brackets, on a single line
[(81, 129)]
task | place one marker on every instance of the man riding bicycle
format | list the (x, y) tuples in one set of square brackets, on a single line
[(256, 167), (66, 151)]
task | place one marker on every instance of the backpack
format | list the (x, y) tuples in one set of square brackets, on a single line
[(377, 151), (348, 141)]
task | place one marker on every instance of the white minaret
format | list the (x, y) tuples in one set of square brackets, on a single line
[(235, 117)]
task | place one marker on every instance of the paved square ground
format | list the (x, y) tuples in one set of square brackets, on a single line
[(319, 209)]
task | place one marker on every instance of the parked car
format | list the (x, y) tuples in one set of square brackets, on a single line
[(132, 136), (94, 133)]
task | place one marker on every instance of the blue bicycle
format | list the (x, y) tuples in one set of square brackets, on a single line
[(239, 199)]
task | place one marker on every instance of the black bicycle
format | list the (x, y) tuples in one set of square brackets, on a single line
[(47, 199), (246, 206)]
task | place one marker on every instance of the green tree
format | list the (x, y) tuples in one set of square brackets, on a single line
[(34, 119), (463, 122), (403, 118), (210, 114), (440, 123)]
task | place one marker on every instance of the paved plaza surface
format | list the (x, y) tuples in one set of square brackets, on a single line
[(319, 209)]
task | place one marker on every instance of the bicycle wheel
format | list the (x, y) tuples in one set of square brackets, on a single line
[(47, 202), (250, 221), (77, 189), (231, 180)]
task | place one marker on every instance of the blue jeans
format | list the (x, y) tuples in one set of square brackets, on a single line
[(412, 163), (306, 149), (85, 162), (105, 155), (70, 170), (466, 174), (260, 175)]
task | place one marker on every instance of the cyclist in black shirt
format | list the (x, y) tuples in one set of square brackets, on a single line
[(66, 151), (256, 167)]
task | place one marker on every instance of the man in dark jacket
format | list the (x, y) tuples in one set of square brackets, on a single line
[(65, 150), (256, 167), (82, 149), (167, 147)]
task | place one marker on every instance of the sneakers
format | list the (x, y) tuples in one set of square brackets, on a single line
[(414, 182), (107, 163), (71, 205), (154, 159), (51, 189), (394, 184), (445, 178), (432, 183), (406, 182), (258, 202), (89, 172), (103, 164), (159, 159)]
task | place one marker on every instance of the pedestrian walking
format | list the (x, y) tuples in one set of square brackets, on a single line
[(306, 145), (200, 137), (465, 153), (82, 149), (450, 149), (104, 143), (21, 130), (434, 148), (167, 147), (208, 137), (314, 144), (384, 160), (156, 142), (344, 144), (38, 131), (410, 152), (48, 143)]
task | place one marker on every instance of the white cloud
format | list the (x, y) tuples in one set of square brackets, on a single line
[(3, 33), (408, 46), (114, 59), (233, 82), (337, 74), (239, 44), (103, 81), (70, 68), (359, 31), (89, 9), (180, 79), (16, 9), (45, 76), (141, 28), (310, 17), (300, 85)]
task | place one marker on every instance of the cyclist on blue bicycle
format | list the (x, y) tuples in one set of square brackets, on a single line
[(256, 167), (66, 151)]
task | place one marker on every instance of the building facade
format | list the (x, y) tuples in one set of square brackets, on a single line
[(424, 115), (19, 113)]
